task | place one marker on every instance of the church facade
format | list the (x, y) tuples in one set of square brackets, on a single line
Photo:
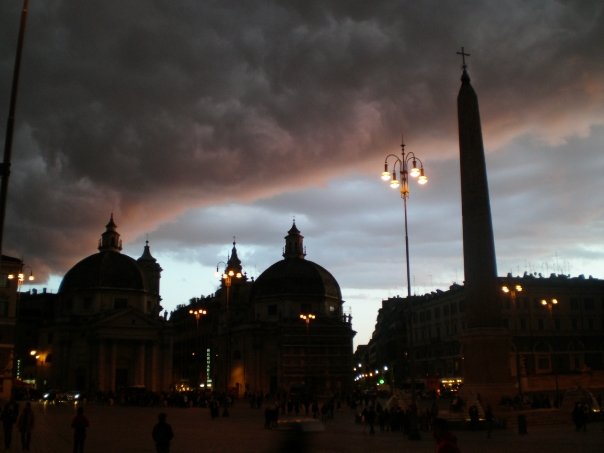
[(285, 332), (106, 333)]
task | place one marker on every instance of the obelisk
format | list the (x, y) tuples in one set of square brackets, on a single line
[(485, 344)]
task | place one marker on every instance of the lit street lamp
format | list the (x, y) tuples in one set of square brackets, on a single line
[(513, 291), (307, 318), (198, 314), (549, 304), (21, 277), (227, 277), (407, 166)]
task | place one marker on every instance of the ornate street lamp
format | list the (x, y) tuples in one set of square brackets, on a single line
[(549, 304), (307, 318), (21, 277), (227, 277), (407, 167), (513, 290), (198, 314)]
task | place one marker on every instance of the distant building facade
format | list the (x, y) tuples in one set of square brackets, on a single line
[(106, 332), (253, 339), (556, 325), (9, 267)]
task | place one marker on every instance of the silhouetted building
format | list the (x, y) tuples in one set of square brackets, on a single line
[(258, 340), (553, 346), (9, 287), (106, 332)]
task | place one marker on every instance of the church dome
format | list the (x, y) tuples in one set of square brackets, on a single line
[(295, 276), (106, 269)]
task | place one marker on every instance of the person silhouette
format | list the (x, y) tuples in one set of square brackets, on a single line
[(162, 434), (79, 424)]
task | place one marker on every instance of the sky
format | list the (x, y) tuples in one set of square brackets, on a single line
[(196, 122)]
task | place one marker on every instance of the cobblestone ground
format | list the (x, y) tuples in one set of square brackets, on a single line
[(116, 429)]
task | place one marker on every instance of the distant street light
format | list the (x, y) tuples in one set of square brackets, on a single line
[(198, 314), (227, 277), (407, 166), (549, 304), (513, 291), (21, 277), (307, 318)]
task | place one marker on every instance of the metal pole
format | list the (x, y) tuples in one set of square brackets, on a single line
[(407, 247), (5, 168)]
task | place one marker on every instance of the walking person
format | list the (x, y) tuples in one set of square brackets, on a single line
[(162, 434), (25, 424), (9, 417), (79, 425)]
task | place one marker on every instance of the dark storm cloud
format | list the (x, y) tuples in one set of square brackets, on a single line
[(149, 109)]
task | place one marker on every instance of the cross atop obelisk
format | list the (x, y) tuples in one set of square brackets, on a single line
[(463, 58)]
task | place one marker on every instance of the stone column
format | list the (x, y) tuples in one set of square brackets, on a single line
[(102, 372), (140, 361)]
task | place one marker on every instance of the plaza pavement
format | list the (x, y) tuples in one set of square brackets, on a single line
[(119, 429)]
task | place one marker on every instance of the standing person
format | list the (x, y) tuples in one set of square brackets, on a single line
[(25, 424), (445, 441), (79, 424), (162, 434), (9, 417)]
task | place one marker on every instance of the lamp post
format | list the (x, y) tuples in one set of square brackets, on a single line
[(227, 277), (21, 277), (549, 304), (407, 166), (512, 290), (307, 318), (198, 314)]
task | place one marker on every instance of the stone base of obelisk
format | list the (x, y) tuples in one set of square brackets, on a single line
[(486, 364)]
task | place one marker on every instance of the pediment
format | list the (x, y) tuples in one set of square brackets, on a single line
[(128, 318)]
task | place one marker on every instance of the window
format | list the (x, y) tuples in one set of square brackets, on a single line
[(574, 303), (540, 324), (87, 303), (271, 310), (543, 363), (3, 306), (589, 304), (120, 302)]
